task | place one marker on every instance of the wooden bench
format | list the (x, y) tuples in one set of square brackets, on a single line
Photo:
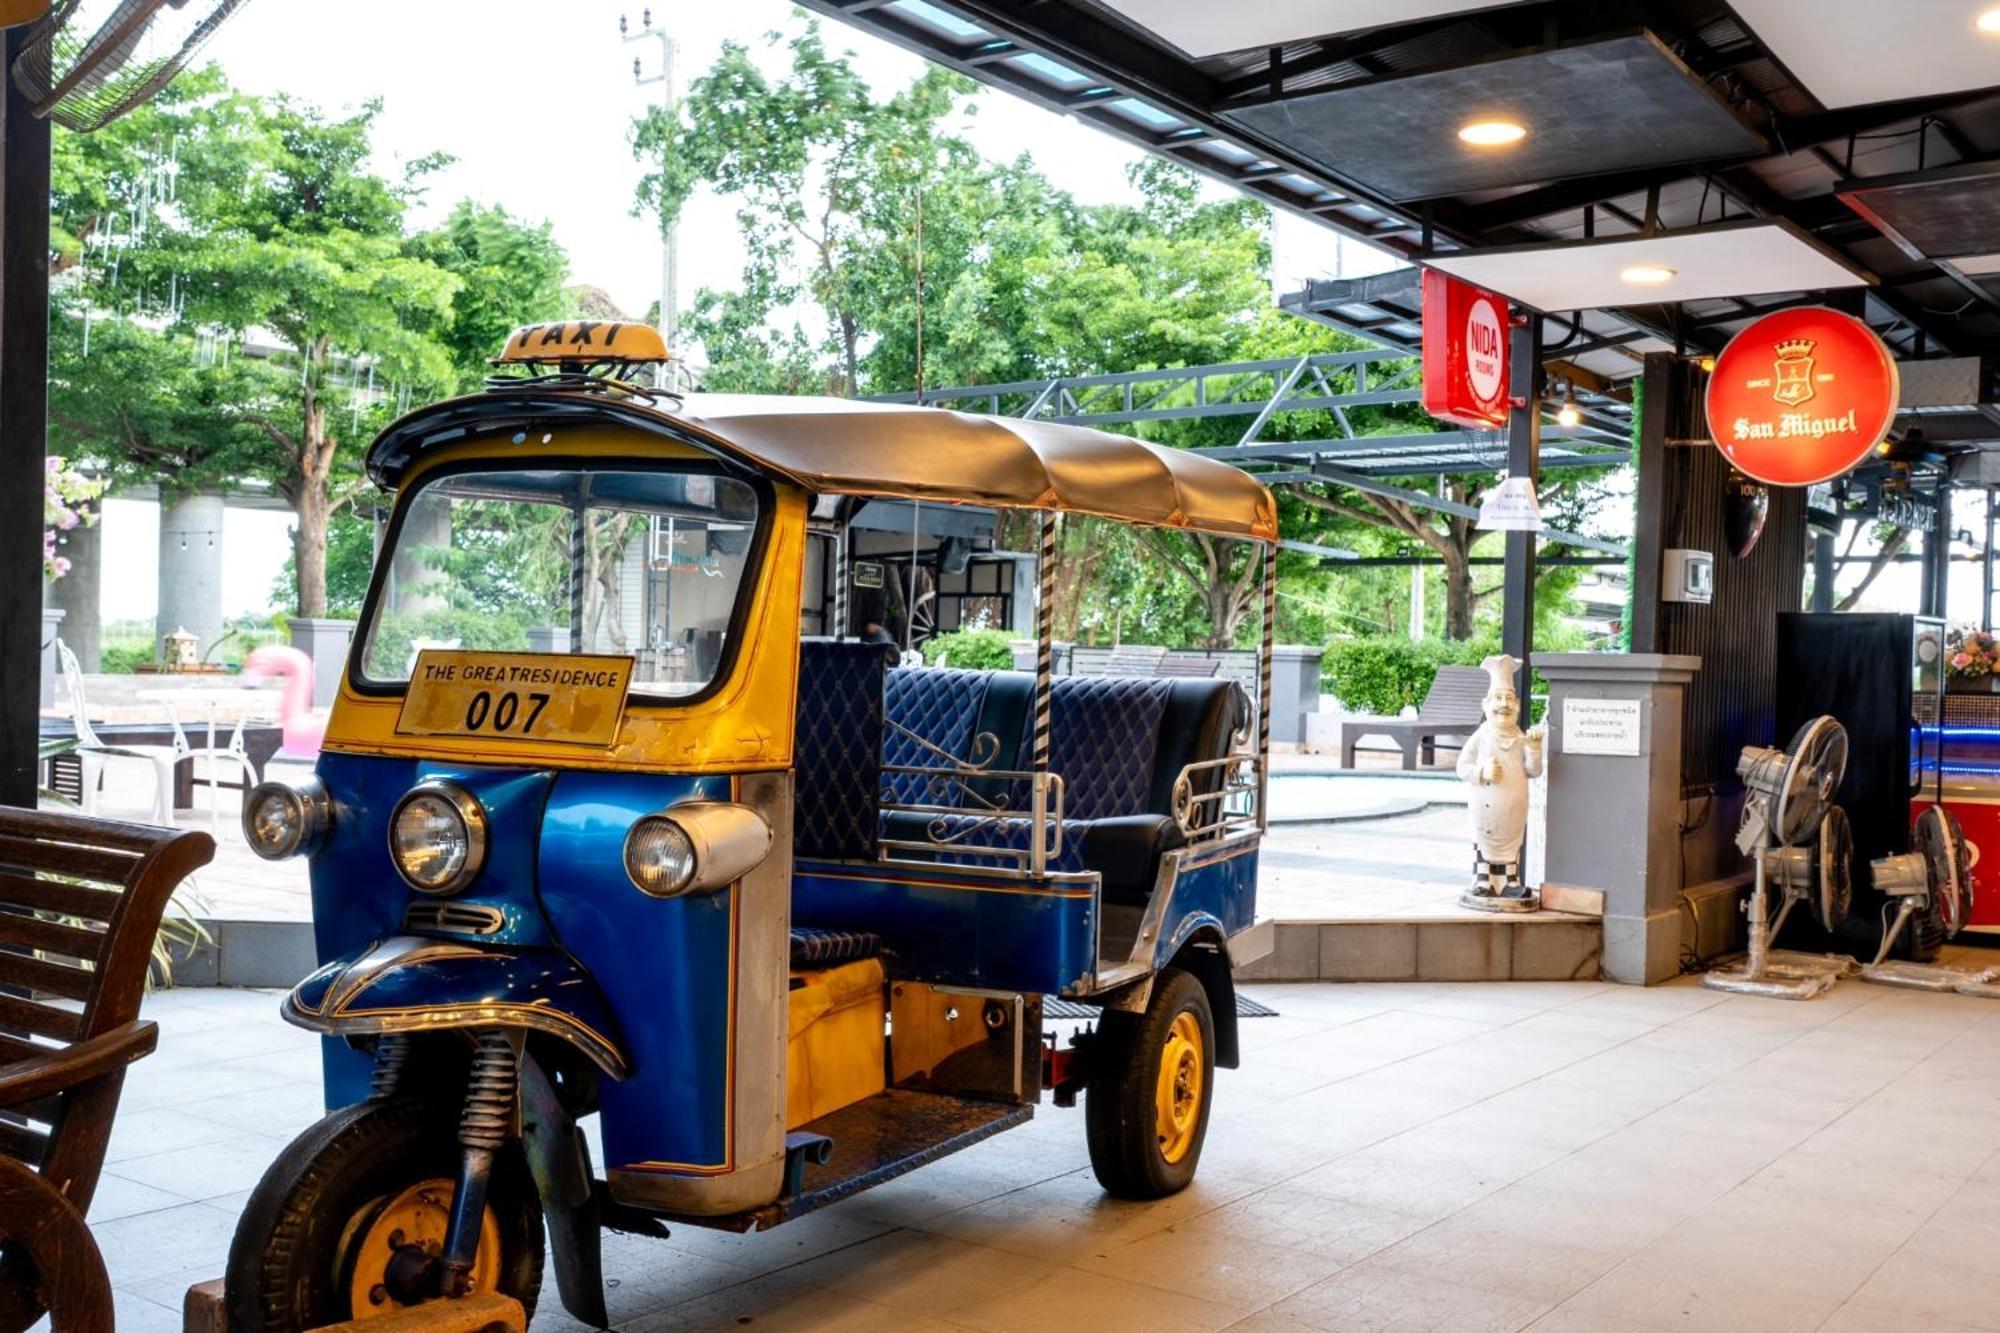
[(1451, 709), (80, 905)]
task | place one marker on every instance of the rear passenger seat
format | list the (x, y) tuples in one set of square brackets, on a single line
[(1119, 743)]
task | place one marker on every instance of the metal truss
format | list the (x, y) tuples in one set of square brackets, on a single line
[(1334, 383)]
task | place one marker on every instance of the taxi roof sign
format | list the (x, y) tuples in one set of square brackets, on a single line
[(583, 340)]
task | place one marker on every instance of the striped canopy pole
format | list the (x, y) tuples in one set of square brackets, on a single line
[(1045, 624), (578, 536), (842, 576), (1264, 686)]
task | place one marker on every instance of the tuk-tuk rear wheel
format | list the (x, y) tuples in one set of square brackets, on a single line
[(331, 1200), (1152, 1080)]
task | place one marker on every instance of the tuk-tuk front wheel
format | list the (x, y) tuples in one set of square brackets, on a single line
[(1152, 1080), (348, 1221)]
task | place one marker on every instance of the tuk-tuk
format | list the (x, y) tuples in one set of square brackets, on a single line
[(614, 816)]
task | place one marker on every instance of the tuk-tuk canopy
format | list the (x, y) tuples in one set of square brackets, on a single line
[(924, 453), (843, 447)]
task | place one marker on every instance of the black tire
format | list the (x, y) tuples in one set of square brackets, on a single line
[(1121, 1105), (282, 1262)]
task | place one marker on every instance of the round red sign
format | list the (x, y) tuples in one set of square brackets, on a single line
[(1801, 396)]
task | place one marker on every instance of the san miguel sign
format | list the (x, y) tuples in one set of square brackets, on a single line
[(1465, 352), (1801, 396)]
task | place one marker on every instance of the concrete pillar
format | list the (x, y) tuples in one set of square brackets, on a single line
[(325, 641), (51, 666), (77, 593), (190, 570), (1614, 798), (1294, 689), (548, 639)]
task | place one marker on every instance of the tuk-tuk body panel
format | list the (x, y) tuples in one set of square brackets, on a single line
[(958, 929), (675, 1108), (743, 724), (1220, 895)]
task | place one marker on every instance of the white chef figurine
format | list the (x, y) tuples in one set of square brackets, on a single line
[(1495, 766)]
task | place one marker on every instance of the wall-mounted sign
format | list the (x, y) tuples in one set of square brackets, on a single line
[(1465, 352), (867, 574), (1601, 726), (1801, 396)]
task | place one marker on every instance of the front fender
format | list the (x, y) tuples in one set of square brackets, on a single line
[(412, 984)]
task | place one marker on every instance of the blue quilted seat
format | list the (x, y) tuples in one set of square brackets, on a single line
[(1118, 742)]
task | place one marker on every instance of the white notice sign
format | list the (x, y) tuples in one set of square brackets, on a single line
[(1600, 726)]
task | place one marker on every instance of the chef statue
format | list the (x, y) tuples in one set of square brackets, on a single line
[(1495, 766)]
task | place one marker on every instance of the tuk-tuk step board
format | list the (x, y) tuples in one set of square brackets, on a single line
[(874, 1141)]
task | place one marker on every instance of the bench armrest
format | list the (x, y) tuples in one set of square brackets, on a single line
[(60, 1070)]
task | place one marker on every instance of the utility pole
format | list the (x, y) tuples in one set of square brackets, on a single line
[(670, 316)]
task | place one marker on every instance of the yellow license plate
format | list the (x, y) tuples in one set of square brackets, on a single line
[(570, 698)]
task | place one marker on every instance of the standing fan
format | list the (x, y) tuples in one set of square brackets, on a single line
[(88, 62), (1931, 886), (1789, 805)]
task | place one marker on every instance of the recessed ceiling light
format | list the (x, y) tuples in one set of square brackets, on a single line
[(1492, 133), (1988, 22), (1646, 275)]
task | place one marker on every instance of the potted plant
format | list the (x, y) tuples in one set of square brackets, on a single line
[(1972, 661)]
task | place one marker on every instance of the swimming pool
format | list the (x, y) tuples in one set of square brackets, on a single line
[(1308, 798)]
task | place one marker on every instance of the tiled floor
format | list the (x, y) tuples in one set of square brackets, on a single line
[(1556, 1156)]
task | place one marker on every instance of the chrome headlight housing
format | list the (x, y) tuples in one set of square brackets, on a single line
[(437, 837), (281, 820), (695, 847)]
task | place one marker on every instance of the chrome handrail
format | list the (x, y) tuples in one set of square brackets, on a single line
[(1204, 816)]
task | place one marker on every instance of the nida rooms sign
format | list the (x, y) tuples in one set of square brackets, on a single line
[(1465, 352), (1801, 396)]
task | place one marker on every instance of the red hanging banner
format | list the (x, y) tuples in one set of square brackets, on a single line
[(1465, 352), (1802, 396)]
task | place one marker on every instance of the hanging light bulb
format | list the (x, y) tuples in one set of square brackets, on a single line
[(1569, 416)]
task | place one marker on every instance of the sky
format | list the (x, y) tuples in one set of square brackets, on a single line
[(536, 112)]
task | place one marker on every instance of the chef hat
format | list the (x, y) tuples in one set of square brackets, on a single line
[(1503, 670)]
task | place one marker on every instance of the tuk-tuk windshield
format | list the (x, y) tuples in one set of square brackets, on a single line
[(495, 560)]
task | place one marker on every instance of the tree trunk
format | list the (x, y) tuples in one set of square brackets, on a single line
[(1459, 600), (313, 507), (312, 497)]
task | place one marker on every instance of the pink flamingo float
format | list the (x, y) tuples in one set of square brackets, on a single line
[(303, 728)]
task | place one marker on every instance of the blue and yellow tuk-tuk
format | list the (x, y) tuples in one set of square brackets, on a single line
[(601, 828)]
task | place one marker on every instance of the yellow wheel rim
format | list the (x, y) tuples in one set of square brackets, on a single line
[(416, 1217), (1177, 1096)]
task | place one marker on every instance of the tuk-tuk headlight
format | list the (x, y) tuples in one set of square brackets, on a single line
[(659, 856), (695, 847), (437, 837), (281, 820)]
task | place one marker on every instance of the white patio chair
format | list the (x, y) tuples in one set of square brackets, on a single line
[(92, 752), (232, 752)]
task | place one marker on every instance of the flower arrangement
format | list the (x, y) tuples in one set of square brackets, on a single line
[(1972, 653), (68, 499)]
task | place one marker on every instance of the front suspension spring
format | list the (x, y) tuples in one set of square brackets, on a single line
[(490, 1092), (392, 1056)]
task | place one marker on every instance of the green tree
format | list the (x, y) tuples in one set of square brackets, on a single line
[(309, 243), (509, 273), (814, 164)]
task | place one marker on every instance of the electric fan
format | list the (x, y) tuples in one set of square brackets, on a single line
[(1799, 843), (1933, 883)]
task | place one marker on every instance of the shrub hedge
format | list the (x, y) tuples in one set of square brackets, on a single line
[(975, 649), (1383, 674)]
